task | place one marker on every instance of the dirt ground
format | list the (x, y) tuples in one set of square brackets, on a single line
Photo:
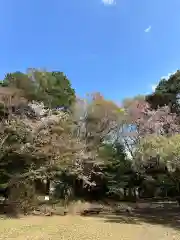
[(83, 228)]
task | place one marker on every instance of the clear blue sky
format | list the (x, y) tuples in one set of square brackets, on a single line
[(100, 47)]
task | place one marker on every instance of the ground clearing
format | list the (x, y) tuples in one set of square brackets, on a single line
[(82, 228)]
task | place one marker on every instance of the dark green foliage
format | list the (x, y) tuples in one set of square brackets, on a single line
[(118, 169), (64, 95), (18, 80), (52, 88), (166, 93)]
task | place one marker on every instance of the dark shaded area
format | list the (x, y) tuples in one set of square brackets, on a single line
[(163, 214), (9, 210)]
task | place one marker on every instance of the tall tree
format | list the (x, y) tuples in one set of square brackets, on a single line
[(98, 120), (165, 149), (140, 120), (117, 168), (52, 88), (40, 148), (160, 156), (166, 93)]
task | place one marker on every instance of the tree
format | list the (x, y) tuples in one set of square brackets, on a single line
[(40, 148), (51, 88), (140, 120), (102, 119), (166, 93), (97, 120), (165, 149), (161, 155), (50, 143), (117, 168)]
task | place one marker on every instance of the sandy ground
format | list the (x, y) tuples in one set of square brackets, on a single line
[(79, 228)]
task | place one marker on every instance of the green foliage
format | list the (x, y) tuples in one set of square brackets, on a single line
[(117, 168), (86, 148), (165, 149), (51, 88), (166, 93)]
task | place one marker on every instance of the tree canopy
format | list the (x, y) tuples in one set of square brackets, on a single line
[(166, 93), (52, 88), (96, 149)]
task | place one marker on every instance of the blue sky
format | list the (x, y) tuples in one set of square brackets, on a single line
[(100, 46)]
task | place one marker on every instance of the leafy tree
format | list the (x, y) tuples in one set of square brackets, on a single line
[(140, 120), (51, 88), (165, 149), (161, 155), (86, 147), (97, 121), (166, 93), (102, 119), (41, 148), (117, 168)]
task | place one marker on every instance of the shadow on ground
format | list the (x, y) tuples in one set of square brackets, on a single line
[(165, 215), (8, 211)]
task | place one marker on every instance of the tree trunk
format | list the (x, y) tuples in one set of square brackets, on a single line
[(47, 187)]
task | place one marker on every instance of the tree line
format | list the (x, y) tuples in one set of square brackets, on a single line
[(57, 144)]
